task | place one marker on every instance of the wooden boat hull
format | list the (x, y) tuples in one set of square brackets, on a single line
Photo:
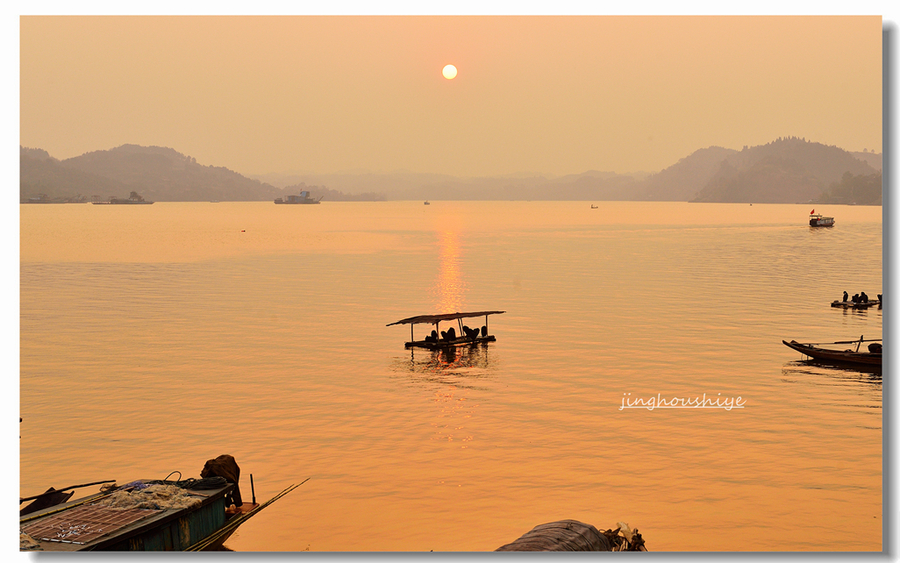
[(845, 357), (172, 529), (852, 305), (443, 344)]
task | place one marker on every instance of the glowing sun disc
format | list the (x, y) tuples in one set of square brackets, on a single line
[(449, 72)]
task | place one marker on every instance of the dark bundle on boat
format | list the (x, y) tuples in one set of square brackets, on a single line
[(225, 466), (484, 330), (572, 535), (875, 348), (450, 334)]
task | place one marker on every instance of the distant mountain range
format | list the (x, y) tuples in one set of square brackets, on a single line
[(787, 170)]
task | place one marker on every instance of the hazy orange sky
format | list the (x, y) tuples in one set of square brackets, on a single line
[(536, 94)]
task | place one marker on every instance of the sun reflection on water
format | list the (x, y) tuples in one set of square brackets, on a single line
[(450, 286)]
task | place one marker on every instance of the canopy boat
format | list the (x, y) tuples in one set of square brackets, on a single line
[(444, 339), (818, 220), (871, 356)]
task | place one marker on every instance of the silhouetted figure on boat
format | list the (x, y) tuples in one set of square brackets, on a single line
[(875, 348), (846, 297), (863, 298), (855, 298), (451, 334), (471, 333), (879, 297), (484, 330)]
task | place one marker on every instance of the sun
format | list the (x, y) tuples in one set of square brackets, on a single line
[(449, 72)]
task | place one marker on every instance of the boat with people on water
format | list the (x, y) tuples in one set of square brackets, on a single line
[(439, 339), (819, 220), (858, 301), (869, 356)]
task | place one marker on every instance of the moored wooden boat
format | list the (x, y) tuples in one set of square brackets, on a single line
[(145, 515), (438, 339), (816, 352), (91, 525)]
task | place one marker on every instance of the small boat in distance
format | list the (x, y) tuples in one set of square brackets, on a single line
[(301, 199), (133, 199), (818, 220), (427, 202), (871, 356), (438, 339)]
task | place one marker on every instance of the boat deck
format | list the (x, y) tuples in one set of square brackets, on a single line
[(852, 305), (82, 525), (441, 344)]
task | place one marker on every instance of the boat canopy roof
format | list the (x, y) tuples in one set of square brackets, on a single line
[(434, 319)]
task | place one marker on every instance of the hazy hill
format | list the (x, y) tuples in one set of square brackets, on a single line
[(787, 170), (590, 185), (863, 189), (871, 158), (39, 174), (162, 174), (683, 180), (784, 171), (156, 173)]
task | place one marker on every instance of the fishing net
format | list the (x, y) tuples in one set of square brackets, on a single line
[(158, 497)]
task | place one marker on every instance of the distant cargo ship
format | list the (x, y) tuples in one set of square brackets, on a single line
[(133, 199), (297, 199)]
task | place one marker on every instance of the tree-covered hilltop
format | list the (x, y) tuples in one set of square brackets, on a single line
[(163, 174), (863, 189), (42, 176), (787, 170)]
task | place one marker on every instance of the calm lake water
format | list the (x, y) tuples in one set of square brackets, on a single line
[(156, 337)]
